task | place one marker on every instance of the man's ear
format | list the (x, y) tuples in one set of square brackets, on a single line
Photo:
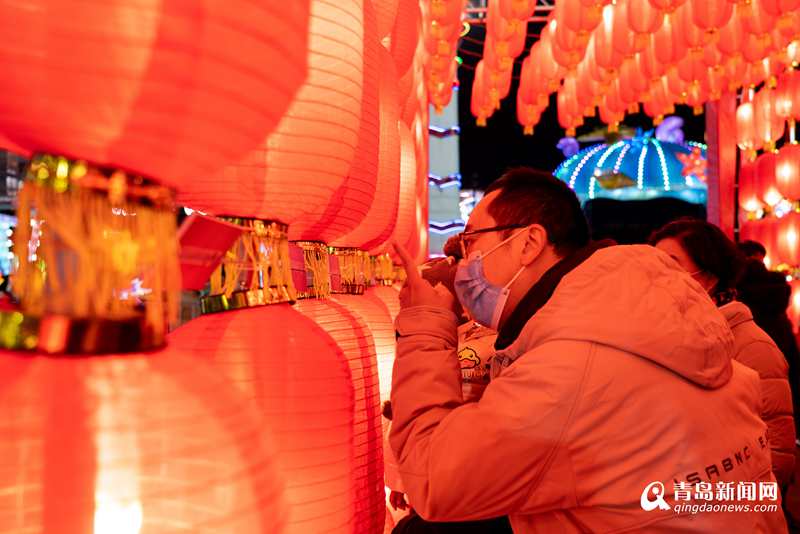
[(535, 241)]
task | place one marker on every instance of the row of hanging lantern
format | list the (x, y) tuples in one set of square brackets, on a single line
[(442, 29), (506, 33), (769, 183), (260, 416), (614, 57)]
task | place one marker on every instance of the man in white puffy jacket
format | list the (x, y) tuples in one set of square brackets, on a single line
[(614, 404)]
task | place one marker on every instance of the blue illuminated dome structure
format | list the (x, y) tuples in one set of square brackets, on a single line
[(640, 168)]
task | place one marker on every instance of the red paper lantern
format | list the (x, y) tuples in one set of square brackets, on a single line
[(386, 12), (685, 28), (784, 97), (149, 89), (769, 126), (406, 215), (375, 314), (577, 18), (787, 171), (776, 8), (644, 18), (732, 34), (624, 38), (604, 52), (650, 67), (759, 21), (132, 443), (668, 44), (520, 10), (748, 191), (382, 215), (755, 47), (568, 112), (710, 15), (765, 187), (667, 6), (351, 334), (551, 71), (390, 296), (788, 239), (300, 381), (349, 204), (405, 35), (294, 175)]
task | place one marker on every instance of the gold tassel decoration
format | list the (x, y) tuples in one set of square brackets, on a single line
[(383, 269), (316, 259), (256, 271), (353, 269), (96, 245)]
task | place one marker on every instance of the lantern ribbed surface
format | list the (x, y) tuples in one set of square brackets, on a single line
[(168, 89), (296, 376), (152, 443)]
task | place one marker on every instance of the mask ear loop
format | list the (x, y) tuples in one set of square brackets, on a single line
[(503, 242)]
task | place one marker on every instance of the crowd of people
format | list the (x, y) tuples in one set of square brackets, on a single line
[(546, 383)]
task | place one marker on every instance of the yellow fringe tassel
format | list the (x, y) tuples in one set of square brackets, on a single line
[(257, 265), (353, 268), (316, 262), (81, 241)]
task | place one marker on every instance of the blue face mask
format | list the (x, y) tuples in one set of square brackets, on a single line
[(483, 300)]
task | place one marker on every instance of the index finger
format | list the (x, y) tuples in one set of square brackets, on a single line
[(412, 273)]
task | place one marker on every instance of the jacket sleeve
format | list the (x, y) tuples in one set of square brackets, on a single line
[(486, 459), (777, 410)]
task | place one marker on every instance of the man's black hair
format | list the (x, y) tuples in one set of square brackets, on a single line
[(708, 247), (752, 249), (529, 196)]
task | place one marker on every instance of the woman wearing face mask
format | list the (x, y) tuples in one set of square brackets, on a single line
[(715, 263)]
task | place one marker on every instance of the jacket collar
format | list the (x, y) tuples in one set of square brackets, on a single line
[(541, 291)]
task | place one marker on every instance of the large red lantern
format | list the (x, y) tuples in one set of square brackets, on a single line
[(382, 215), (131, 443), (299, 379), (667, 6), (405, 35), (390, 296), (787, 171), (149, 89), (350, 203), (406, 214), (370, 309), (386, 11), (352, 336), (294, 175)]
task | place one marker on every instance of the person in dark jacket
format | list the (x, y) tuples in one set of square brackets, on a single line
[(767, 294)]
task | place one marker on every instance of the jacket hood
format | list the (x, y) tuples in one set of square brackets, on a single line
[(636, 299)]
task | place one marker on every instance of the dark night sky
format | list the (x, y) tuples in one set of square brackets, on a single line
[(486, 152)]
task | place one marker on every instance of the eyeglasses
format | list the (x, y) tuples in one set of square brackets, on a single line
[(464, 237)]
